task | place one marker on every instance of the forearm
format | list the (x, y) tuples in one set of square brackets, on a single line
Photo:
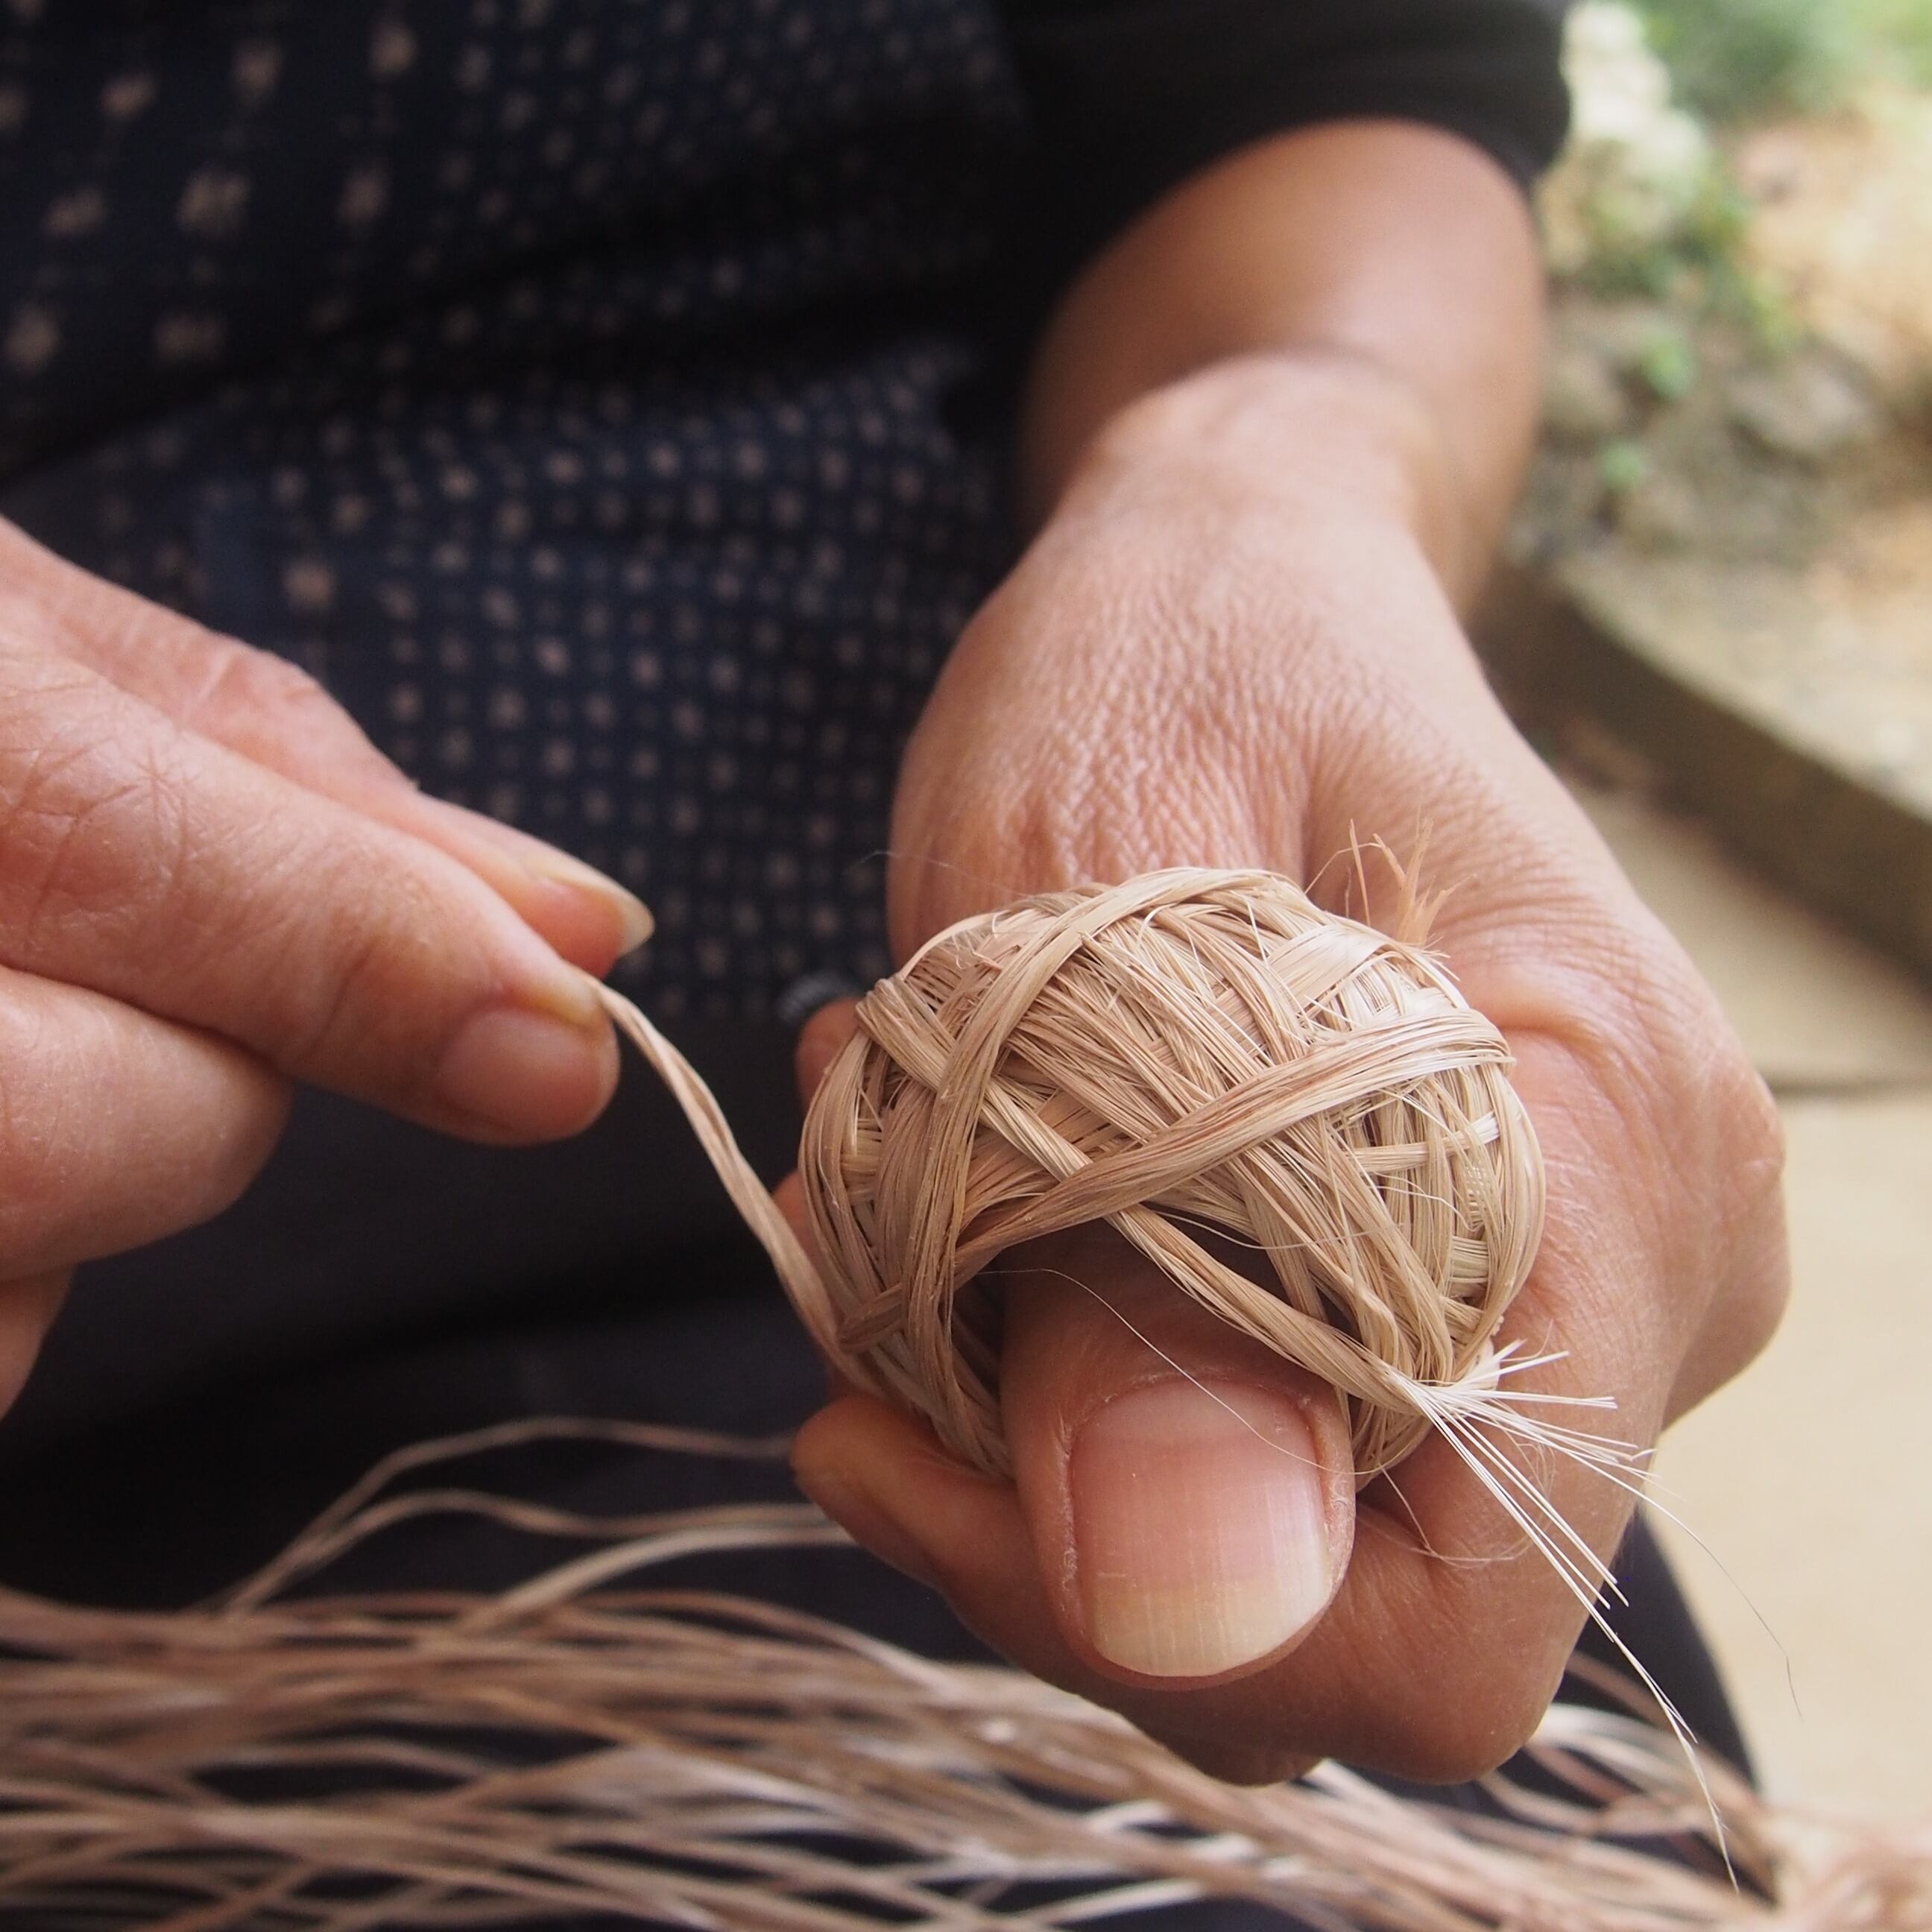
[(1361, 300)]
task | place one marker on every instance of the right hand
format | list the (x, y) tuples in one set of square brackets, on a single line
[(211, 884)]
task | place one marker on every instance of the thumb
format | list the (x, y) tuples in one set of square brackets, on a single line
[(1183, 1507), (1190, 1496)]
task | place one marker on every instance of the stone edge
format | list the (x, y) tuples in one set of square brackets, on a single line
[(1848, 849)]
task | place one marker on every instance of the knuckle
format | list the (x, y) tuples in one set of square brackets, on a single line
[(1709, 1105), (1757, 1136), (1660, 1051), (88, 831), (1656, 1022), (263, 706), (337, 996), (245, 687), (347, 990)]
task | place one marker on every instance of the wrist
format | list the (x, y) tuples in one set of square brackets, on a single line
[(1312, 440)]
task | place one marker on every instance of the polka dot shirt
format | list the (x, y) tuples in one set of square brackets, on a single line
[(602, 397), (581, 391)]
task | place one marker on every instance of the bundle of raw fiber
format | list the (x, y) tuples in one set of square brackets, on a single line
[(591, 1747), (1191, 1051)]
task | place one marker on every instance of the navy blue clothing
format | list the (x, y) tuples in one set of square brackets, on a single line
[(567, 388), (606, 399)]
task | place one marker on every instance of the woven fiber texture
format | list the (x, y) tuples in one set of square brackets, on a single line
[(1223, 1072)]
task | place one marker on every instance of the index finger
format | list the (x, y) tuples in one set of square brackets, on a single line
[(146, 863), (272, 711)]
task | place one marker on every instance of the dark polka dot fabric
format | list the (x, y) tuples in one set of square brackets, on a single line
[(593, 396), (603, 396)]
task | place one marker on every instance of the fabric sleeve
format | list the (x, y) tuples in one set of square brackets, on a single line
[(1130, 97)]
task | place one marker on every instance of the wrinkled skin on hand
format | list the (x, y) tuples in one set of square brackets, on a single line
[(212, 885), (1202, 660)]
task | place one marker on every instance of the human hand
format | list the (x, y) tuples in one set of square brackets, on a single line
[(1227, 649), (211, 884)]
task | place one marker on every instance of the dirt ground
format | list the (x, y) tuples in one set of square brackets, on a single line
[(1800, 439), (1843, 224), (1762, 515), (1763, 496)]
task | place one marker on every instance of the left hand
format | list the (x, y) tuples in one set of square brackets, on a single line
[(1227, 649)]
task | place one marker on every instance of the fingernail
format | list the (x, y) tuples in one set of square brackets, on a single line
[(528, 1074), (1200, 1527), (866, 1523), (495, 845), (635, 923)]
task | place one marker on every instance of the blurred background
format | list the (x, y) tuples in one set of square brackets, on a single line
[(1716, 620)]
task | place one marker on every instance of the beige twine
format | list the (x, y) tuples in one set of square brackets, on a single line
[(1190, 1051), (598, 1741), (1192, 1056), (1187, 1054)]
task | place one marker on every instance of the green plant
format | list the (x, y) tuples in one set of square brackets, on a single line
[(1669, 365), (1901, 28), (1731, 57), (1622, 465), (1697, 268)]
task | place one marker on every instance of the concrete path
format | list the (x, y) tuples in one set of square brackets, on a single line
[(1810, 1478)]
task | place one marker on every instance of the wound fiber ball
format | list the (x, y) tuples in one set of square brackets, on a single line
[(1217, 1068)]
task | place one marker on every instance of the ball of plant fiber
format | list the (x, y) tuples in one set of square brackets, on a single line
[(1191, 1054)]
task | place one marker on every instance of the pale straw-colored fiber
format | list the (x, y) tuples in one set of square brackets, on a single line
[(1214, 1066), (1191, 1053), (601, 1745)]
